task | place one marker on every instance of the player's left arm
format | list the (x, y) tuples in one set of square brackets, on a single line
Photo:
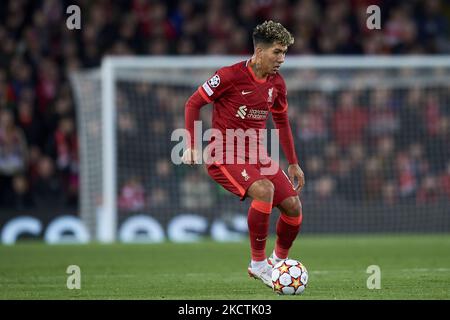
[(281, 120)]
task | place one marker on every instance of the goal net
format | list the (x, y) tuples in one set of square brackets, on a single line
[(372, 135)]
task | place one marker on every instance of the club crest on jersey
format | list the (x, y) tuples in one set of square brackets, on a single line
[(214, 81), (245, 175), (242, 112), (269, 99)]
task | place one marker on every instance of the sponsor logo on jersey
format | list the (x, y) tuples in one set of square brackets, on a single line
[(242, 112), (254, 114), (245, 92), (257, 114), (214, 81)]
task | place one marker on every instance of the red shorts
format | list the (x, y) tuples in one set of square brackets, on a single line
[(237, 178)]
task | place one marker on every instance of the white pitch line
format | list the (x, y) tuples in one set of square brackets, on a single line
[(427, 269)]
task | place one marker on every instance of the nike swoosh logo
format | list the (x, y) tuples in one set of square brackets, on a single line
[(261, 239), (246, 92)]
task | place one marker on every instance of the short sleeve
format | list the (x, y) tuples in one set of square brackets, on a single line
[(280, 104), (215, 86)]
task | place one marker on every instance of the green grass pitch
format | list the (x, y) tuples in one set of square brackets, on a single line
[(412, 267)]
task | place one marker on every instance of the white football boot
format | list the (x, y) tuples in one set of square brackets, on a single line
[(273, 261), (264, 273)]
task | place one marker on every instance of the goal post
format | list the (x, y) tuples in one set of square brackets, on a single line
[(127, 109), (106, 230)]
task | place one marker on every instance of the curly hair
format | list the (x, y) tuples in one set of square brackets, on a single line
[(269, 32)]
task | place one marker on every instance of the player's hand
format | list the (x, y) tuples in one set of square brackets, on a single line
[(295, 172), (190, 156)]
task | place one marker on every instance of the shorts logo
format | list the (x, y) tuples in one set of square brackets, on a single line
[(242, 112), (214, 81), (245, 175)]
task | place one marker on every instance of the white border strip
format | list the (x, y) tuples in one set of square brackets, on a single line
[(325, 62)]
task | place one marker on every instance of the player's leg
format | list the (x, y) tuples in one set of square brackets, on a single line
[(245, 180), (290, 219), (261, 191), (288, 226)]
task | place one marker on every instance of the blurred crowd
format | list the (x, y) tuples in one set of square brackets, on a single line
[(382, 146), (39, 161), (373, 146)]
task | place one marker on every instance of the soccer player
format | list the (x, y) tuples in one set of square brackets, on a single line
[(243, 95)]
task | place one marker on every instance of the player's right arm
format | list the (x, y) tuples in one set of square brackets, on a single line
[(206, 93), (192, 114)]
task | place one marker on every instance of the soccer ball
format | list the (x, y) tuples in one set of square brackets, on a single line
[(289, 277)]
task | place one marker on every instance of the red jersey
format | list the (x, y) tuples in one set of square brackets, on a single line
[(242, 101)]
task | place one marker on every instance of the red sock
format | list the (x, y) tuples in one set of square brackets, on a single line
[(287, 230), (258, 227)]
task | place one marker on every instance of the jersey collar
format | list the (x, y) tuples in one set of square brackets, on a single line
[(247, 64)]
